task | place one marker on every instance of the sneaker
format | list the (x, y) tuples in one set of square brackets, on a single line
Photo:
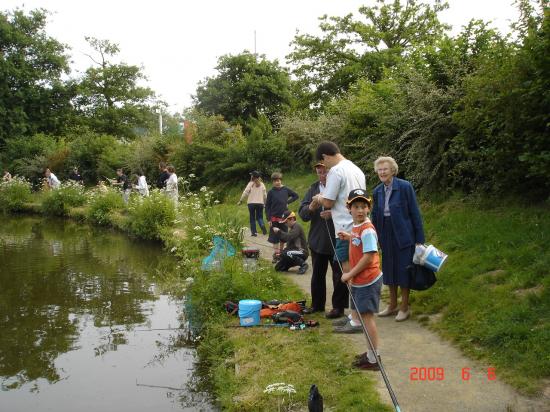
[(366, 365), (335, 314), (303, 269), (401, 316), (340, 322), (348, 328), (264, 232), (387, 312), (254, 234)]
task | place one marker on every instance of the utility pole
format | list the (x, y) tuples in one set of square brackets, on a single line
[(160, 121)]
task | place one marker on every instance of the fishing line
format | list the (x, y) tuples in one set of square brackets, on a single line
[(369, 341)]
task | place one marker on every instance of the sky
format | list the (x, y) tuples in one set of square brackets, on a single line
[(178, 42)]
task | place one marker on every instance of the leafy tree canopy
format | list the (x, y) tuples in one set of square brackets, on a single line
[(33, 98), (110, 98), (352, 48), (246, 87)]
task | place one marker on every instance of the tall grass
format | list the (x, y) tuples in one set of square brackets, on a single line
[(14, 194)]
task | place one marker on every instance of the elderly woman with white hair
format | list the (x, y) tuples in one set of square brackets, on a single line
[(396, 217)]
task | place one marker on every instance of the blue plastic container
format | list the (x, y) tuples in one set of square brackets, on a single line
[(249, 312), (433, 258)]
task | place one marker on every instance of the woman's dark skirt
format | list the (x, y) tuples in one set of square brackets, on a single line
[(394, 260)]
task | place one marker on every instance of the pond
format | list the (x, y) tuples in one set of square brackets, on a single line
[(84, 326)]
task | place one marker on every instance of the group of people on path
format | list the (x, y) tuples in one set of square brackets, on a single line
[(342, 235)]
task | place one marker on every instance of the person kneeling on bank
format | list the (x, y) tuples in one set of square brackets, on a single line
[(295, 253)]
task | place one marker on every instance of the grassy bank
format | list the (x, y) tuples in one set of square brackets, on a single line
[(492, 297), (240, 363)]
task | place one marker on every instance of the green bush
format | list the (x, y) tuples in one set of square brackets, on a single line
[(96, 155), (57, 202), (14, 194), (101, 202), (150, 216)]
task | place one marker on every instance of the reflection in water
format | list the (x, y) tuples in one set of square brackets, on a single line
[(76, 307)]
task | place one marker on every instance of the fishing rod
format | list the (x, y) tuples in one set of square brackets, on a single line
[(369, 341)]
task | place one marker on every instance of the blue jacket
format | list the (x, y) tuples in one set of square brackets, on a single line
[(405, 214)]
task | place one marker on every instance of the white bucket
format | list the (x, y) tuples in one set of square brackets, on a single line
[(432, 258)]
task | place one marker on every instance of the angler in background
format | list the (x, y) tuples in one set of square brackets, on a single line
[(141, 186), (51, 180), (295, 253)]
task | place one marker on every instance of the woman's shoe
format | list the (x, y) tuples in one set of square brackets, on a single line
[(401, 316), (387, 312)]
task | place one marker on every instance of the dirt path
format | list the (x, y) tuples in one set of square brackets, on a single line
[(407, 345)]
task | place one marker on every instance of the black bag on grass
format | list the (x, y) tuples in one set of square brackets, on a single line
[(315, 400), (421, 278)]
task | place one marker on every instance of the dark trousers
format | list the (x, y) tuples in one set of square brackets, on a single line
[(255, 211), (340, 295), (290, 258)]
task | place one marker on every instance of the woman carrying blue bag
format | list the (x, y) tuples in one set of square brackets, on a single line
[(396, 217)]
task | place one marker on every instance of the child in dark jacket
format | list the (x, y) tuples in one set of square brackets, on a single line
[(295, 253), (276, 204)]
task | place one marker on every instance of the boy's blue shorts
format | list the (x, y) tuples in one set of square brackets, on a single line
[(342, 250), (367, 297)]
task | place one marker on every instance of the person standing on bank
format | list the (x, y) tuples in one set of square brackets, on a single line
[(171, 189), (124, 183), (396, 217), (342, 178), (320, 244), (51, 180), (142, 187), (256, 193), (278, 199), (163, 177), (75, 175)]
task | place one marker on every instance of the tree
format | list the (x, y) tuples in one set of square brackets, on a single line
[(246, 87), (109, 96), (33, 98), (350, 49)]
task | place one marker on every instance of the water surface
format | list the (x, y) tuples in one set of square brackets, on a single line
[(83, 324)]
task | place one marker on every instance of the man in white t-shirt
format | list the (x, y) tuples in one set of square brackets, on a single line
[(343, 177)]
